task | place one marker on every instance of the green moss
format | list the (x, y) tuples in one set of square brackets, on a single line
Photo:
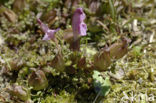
[(63, 97), (22, 50)]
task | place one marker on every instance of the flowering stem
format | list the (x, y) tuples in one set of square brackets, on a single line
[(75, 45)]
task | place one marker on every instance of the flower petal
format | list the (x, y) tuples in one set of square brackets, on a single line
[(78, 25), (83, 29), (49, 34), (46, 37), (43, 26)]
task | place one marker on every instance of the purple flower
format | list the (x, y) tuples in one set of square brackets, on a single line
[(78, 25), (49, 34)]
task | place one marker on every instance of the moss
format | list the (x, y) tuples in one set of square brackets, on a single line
[(63, 97), (22, 50)]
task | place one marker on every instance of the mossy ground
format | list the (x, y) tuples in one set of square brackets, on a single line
[(22, 48)]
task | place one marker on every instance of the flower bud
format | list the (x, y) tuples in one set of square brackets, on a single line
[(82, 63), (118, 50), (19, 5), (102, 59), (58, 62), (19, 91), (10, 15), (38, 80), (15, 64)]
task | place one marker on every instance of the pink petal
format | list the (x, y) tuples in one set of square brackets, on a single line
[(46, 37), (83, 29), (49, 34), (43, 26), (78, 25)]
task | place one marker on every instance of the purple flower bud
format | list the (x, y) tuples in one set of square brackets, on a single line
[(37, 79), (102, 59), (20, 92), (49, 34), (78, 25)]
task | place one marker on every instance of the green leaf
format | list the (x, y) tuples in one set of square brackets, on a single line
[(101, 85), (112, 10)]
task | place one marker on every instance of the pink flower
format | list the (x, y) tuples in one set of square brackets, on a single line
[(78, 25), (49, 34)]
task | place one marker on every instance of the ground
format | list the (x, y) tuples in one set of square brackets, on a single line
[(33, 70)]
